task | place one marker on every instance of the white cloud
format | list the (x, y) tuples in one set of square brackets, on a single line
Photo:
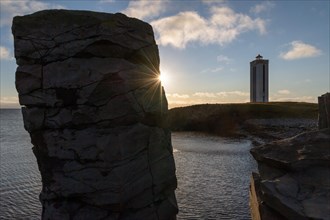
[(237, 93), (180, 29), (223, 59), (176, 95), (4, 53), (226, 19), (300, 50), (264, 6), (283, 92), (312, 99), (221, 94), (205, 94), (9, 102), (222, 27), (11, 8), (144, 9)]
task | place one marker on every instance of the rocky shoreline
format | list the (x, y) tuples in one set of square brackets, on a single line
[(294, 173), (293, 180), (262, 131)]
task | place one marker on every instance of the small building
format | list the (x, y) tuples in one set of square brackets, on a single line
[(259, 80)]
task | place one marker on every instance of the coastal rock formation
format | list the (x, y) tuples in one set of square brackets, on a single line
[(95, 111), (294, 177), (324, 110)]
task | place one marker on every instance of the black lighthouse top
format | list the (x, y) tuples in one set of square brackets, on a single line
[(259, 57)]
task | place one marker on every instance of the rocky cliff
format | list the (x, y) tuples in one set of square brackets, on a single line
[(95, 111), (294, 177), (324, 110)]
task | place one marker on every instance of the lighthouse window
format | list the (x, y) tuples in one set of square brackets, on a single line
[(263, 78)]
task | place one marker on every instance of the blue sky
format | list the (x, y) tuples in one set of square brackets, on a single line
[(206, 46)]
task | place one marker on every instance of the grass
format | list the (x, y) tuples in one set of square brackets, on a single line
[(228, 118)]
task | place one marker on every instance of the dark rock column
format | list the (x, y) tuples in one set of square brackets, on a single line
[(324, 111), (95, 111)]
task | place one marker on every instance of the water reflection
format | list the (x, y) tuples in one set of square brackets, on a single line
[(213, 176)]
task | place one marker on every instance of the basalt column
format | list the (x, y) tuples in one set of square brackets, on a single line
[(95, 111)]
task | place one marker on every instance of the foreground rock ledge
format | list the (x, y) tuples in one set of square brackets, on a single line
[(95, 111), (294, 178)]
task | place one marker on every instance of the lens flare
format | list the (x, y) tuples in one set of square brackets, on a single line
[(163, 77)]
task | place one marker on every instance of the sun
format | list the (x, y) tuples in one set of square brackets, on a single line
[(163, 77)]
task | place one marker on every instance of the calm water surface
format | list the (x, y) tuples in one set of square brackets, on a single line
[(213, 174), (20, 182)]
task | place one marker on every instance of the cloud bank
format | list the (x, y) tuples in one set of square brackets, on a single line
[(11, 8), (283, 92), (144, 9), (176, 100), (310, 99), (222, 27), (176, 95), (9, 102), (298, 50)]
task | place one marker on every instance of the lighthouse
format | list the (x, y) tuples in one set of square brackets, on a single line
[(259, 80)]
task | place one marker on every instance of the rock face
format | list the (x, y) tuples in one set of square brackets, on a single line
[(294, 177), (324, 110), (95, 111)]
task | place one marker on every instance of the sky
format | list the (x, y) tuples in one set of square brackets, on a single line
[(206, 46)]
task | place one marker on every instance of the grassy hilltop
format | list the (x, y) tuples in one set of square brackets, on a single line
[(229, 119)]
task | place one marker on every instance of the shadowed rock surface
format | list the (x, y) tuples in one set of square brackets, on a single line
[(294, 177), (324, 110), (95, 111)]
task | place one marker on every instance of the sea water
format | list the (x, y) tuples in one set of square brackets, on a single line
[(20, 182), (213, 174)]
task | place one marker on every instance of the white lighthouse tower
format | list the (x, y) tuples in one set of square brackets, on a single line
[(259, 80)]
